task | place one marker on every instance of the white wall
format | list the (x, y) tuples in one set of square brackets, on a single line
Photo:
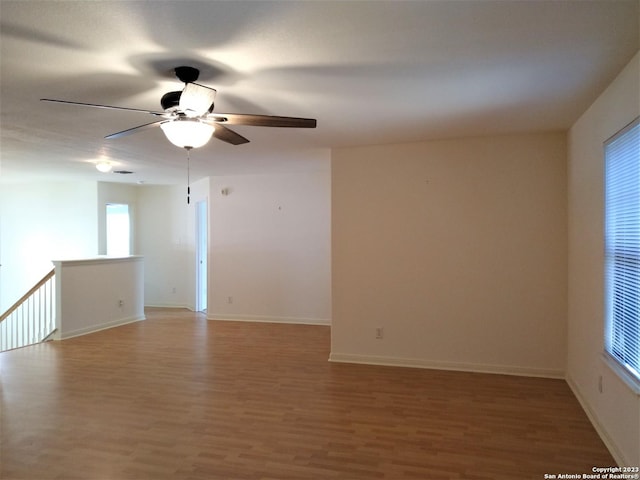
[(270, 248), (43, 221), (457, 248), (40, 222), (615, 411), (98, 293), (165, 238)]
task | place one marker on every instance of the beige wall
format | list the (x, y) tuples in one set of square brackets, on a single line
[(457, 248), (270, 247), (616, 410)]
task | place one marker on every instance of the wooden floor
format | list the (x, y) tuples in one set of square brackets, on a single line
[(180, 397)]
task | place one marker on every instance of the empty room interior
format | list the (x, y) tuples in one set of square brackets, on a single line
[(407, 277)]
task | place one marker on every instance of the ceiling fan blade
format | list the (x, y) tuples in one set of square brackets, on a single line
[(109, 107), (196, 99), (131, 130), (227, 135), (261, 120)]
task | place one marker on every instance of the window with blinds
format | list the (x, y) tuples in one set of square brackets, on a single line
[(622, 247)]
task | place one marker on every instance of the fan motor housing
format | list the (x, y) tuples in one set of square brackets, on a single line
[(170, 100)]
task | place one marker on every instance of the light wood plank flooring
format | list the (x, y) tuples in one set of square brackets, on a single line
[(180, 397)]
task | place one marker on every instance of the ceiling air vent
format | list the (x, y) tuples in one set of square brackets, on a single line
[(122, 172)]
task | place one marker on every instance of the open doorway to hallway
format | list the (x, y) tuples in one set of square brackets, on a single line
[(201, 255)]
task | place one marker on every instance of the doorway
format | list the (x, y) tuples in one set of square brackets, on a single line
[(201, 255)]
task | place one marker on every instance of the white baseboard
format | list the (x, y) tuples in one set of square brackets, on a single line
[(102, 326), (618, 456), (267, 319), (436, 365), (169, 305)]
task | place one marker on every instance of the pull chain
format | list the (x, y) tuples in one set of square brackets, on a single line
[(188, 149)]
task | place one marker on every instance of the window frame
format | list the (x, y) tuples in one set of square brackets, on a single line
[(108, 233), (616, 255)]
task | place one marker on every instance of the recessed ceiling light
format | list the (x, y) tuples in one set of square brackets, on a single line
[(104, 167)]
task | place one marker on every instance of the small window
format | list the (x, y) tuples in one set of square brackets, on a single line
[(118, 233), (622, 248)]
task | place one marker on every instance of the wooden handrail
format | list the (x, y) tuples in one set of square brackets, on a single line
[(28, 294)]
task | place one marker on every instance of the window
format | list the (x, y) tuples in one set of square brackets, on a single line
[(118, 237), (622, 247)]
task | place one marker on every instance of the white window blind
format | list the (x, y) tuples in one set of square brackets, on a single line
[(622, 247)]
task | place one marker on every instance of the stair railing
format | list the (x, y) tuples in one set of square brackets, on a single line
[(32, 318)]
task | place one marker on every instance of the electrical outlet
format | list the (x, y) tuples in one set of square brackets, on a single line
[(120, 303), (173, 290), (229, 299), (600, 386), (379, 332)]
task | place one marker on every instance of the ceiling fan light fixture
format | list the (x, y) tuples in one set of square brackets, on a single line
[(104, 167), (187, 133)]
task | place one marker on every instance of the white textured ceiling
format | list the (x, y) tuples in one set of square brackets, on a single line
[(370, 72)]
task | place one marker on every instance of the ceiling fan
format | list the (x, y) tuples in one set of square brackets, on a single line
[(188, 120)]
